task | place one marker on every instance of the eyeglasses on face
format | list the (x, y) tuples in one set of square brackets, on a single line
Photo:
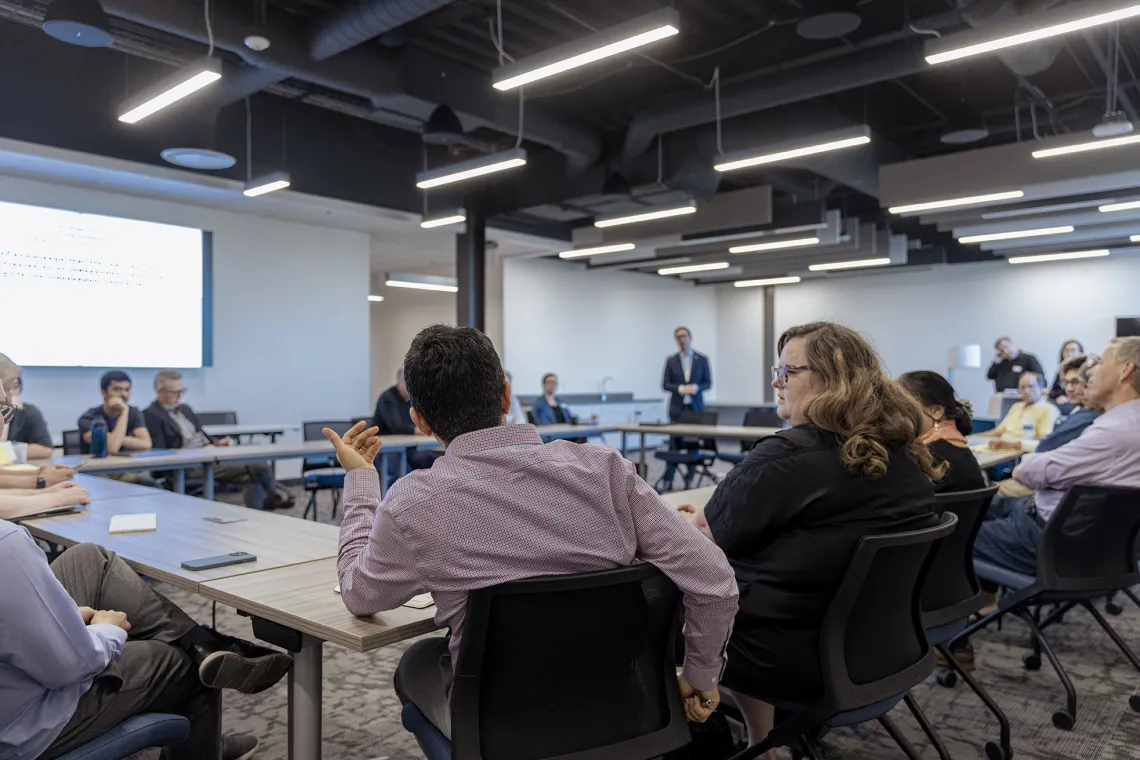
[(7, 412), (781, 374)]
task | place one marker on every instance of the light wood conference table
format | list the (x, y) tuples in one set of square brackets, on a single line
[(297, 608), (987, 459), (106, 488), (730, 432)]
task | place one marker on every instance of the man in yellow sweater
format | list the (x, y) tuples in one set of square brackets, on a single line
[(1033, 406)]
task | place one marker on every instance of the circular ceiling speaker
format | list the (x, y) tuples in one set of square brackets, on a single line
[(828, 20), (78, 22), (198, 158), (256, 42), (964, 126)]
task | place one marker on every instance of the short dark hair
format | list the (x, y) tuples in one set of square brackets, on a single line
[(999, 340), (1061, 353), (114, 376), (932, 389), (687, 331), (1073, 363), (548, 374), (455, 380)]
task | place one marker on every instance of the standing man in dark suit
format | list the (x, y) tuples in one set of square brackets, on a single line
[(687, 376)]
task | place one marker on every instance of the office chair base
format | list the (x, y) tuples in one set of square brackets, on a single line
[(1063, 720), (1031, 662), (1134, 702), (947, 678), (1004, 749), (994, 752)]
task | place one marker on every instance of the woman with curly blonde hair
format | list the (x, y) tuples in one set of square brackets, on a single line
[(791, 514)]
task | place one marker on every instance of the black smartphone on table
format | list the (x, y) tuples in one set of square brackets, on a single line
[(222, 560)]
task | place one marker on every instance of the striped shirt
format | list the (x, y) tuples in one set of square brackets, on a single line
[(501, 505)]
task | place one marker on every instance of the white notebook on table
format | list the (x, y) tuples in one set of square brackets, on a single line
[(143, 523)]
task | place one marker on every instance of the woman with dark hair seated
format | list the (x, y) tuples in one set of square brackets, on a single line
[(1069, 349), (790, 516), (945, 425)]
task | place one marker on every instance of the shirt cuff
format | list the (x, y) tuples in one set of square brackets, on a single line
[(362, 477), (702, 679), (112, 634)]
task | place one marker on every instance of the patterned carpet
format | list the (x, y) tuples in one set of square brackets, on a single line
[(362, 716)]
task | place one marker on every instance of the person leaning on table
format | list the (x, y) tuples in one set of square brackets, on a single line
[(524, 508), (28, 424), (790, 516), (1033, 407)]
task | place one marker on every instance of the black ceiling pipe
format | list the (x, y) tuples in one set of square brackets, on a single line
[(358, 21)]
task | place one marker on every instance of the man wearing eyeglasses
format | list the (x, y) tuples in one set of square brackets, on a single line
[(173, 425)]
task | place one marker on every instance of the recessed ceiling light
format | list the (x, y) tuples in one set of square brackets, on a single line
[(596, 250), (1014, 235), (689, 208), (954, 202), (1058, 256), (693, 268), (769, 281), (857, 264), (774, 246)]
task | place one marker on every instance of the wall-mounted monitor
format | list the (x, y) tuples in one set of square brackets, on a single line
[(1127, 326), (84, 290)]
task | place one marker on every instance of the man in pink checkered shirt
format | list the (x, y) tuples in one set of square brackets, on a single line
[(501, 505)]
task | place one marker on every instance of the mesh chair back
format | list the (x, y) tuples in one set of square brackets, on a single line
[(873, 646), (72, 442), (313, 431), (689, 417), (578, 667), (218, 418), (1089, 543), (763, 418), (952, 591)]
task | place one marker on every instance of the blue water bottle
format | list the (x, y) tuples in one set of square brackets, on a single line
[(99, 438)]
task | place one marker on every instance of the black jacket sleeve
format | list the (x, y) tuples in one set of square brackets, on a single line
[(995, 368), (156, 429)]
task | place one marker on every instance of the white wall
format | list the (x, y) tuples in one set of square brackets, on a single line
[(586, 325), (291, 325), (913, 318), (395, 321), (740, 345)]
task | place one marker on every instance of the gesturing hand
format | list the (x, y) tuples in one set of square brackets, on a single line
[(358, 448)]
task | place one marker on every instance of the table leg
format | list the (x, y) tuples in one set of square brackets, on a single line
[(208, 481), (623, 448), (305, 683), (642, 468), (403, 462), (180, 481)]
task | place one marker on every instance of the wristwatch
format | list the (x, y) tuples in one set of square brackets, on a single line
[(40, 482)]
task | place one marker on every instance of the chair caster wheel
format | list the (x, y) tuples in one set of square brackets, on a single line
[(1031, 662), (1134, 702), (1063, 720), (995, 752), (1112, 608), (947, 678)]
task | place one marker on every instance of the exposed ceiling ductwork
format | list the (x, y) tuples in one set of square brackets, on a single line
[(381, 77), (361, 20)]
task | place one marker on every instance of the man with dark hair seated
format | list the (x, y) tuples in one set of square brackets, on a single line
[(501, 505)]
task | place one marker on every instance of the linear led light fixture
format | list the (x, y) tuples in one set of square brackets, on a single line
[(1071, 18), (266, 183), (475, 167), (769, 281), (665, 213), (857, 264), (458, 217), (1126, 206), (1135, 238), (594, 47), (1058, 256), (1014, 235), (376, 299), (171, 89), (1112, 142), (596, 250), (775, 245), (847, 138), (954, 202), (422, 282), (694, 268)]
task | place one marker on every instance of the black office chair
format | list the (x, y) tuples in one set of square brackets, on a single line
[(952, 594), (362, 419), (322, 473), (217, 418), (752, 418), (872, 647), (519, 693), (72, 442), (697, 455), (1087, 550)]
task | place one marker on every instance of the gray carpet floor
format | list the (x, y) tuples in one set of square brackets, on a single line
[(362, 714)]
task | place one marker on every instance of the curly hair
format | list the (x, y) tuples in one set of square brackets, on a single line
[(860, 403)]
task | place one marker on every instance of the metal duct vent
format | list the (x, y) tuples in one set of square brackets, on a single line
[(361, 20)]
